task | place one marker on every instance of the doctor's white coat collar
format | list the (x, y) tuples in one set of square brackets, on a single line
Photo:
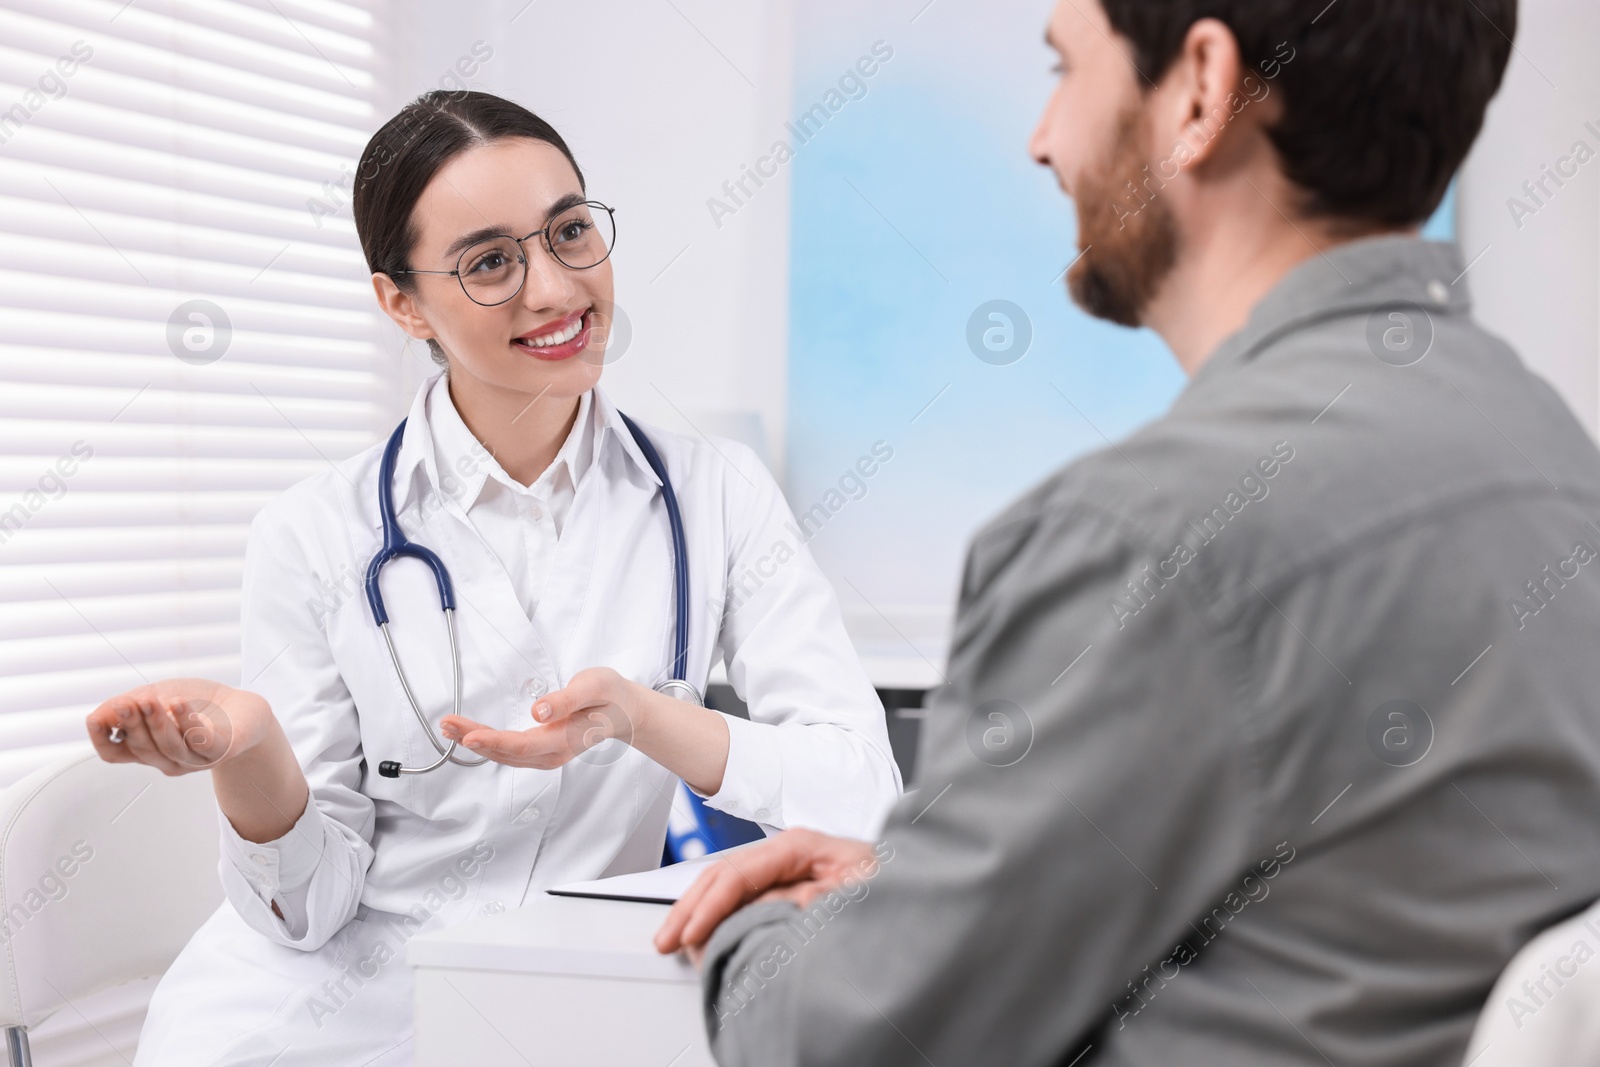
[(416, 444)]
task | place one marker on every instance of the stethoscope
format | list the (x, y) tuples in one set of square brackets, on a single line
[(395, 544)]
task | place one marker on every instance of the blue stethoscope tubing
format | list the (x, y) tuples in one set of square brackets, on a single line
[(396, 545), (680, 553)]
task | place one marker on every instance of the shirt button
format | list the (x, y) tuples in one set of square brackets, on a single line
[(527, 814), (259, 859), (493, 907), (1438, 292), (762, 813), (535, 512), (532, 688)]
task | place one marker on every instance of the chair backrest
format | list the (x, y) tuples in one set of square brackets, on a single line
[(106, 870), (1545, 1009)]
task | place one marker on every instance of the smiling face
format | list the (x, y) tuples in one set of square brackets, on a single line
[(547, 340)]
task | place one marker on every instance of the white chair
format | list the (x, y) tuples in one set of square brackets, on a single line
[(1545, 1009), (106, 870)]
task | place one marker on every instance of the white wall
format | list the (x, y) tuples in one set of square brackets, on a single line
[(661, 103), (1538, 285)]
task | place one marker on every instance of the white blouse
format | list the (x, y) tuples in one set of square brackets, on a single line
[(571, 572), (520, 523)]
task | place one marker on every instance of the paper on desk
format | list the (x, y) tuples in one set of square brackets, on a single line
[(664, 885)]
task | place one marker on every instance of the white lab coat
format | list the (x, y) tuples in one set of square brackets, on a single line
[(387, 858)]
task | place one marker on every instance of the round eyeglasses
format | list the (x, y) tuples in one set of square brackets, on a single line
[(493, 270)]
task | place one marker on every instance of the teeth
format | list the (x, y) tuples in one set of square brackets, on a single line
[(551, 339)]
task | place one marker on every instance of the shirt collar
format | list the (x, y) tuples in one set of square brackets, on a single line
[(1361, 276), (465, 465), (418, 444)]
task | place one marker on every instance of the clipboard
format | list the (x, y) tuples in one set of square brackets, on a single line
[(664, 885)]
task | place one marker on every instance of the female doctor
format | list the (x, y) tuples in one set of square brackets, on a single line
[(360, 802)]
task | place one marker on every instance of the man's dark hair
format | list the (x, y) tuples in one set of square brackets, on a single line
[(1382, 98)]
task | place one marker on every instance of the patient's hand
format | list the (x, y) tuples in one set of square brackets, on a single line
[(796, 865), (180, 725)]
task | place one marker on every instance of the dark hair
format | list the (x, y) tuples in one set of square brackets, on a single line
[(1382, 98), (408, 150)]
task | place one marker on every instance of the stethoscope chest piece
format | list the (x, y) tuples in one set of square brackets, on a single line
[(681, 690)]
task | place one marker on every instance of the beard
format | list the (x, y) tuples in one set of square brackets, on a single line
[(1128, 250)]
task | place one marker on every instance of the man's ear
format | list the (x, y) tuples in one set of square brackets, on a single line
[(401, 307), (1206, 91)]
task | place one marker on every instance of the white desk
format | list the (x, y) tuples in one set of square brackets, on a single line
[(561, 980)]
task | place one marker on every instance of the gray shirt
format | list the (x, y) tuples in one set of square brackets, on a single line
[(1270, 734)]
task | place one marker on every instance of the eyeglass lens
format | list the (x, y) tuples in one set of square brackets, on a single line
[(492, 271)]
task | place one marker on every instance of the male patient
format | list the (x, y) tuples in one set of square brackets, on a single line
[(1274, 731)]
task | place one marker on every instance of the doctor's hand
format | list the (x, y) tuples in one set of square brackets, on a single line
[(598, 704), (797, 865), (180, 725)]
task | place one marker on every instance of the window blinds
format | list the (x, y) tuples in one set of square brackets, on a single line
[(186, 327)]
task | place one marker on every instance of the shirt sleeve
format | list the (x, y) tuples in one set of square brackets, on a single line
[(319, 867), (1041, 864), (815, 750), (278, 871)]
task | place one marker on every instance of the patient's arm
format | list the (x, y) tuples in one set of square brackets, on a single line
[(1020, 881)]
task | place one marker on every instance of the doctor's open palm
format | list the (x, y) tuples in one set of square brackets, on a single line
[(180, 725), (598, 704)]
